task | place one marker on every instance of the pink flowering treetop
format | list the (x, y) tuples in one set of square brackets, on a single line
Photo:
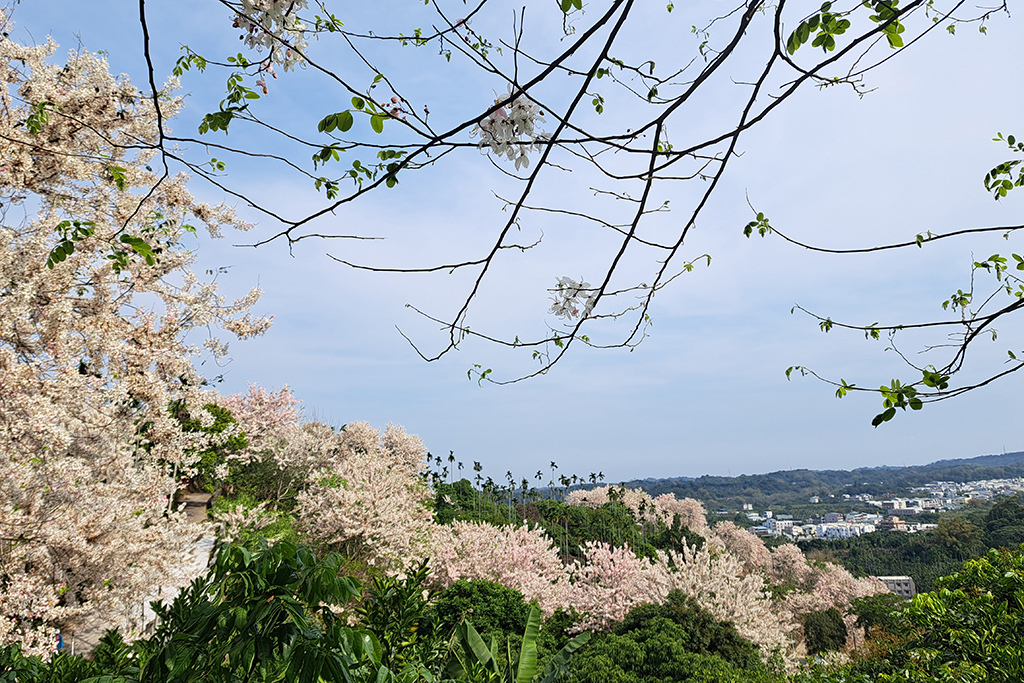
[(368, 499), (100, 320)]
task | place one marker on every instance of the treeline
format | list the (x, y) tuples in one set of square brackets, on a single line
[(795, 487), (568, 526)]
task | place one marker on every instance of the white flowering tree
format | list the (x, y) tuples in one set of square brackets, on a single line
[(96, 302), (580, 104)]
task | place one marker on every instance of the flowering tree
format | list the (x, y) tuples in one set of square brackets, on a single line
[(611, 581), (578, 104), (745, 546), (369, 499), (515, 556), (269, 419), (664, 508), (818, 587), (718, 581), (96, 300)]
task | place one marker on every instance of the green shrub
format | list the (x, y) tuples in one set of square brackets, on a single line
[(493, 609), (824, 631), (675, 641)]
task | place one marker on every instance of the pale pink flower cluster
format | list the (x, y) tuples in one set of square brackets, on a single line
[(270, 420), (517, 557), (571, 299), (273, 25), (636, 500), (789, 566), (368, 498), (232, 523), (665, 507), (718, 580), (612, 581), (30, 596), (511, 131), (91, 357), (691, 512), (745, 546)]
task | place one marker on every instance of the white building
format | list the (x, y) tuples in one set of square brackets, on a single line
[(843, 530), (902, 586)]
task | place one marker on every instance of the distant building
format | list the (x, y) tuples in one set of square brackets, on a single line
[(779, 526), (902, 586), (831, 518), (748, 506), (815, 499), (843, 530), (892, 524)]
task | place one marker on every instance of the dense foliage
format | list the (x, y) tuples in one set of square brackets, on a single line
[(824, 631), (669, 642), (496, 611), (570, 527), (969, 630)]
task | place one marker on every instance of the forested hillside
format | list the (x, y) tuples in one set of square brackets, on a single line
[(790, 487)]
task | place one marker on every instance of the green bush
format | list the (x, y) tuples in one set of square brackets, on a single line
[(675, 641), (824, 631), (493, 609), (878, 611)]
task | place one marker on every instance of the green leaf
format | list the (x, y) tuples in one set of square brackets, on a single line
[(557, 664), (327, 124), (118, 175), (883, 417), (474, 644), (358, 103), (377, 123), (527, 668), (345, 121)]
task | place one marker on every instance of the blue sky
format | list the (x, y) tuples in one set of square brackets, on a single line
[(706, 393)]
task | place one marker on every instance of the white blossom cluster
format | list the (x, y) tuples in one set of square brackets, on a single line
[(274, 25), (92, 348), (512, 130), (571, 299)]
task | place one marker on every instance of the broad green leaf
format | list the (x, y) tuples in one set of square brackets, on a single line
[(527, 668)]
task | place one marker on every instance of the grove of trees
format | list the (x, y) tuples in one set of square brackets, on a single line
[(105, 418)]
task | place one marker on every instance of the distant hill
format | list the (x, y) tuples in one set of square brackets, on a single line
[(795, 487)]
